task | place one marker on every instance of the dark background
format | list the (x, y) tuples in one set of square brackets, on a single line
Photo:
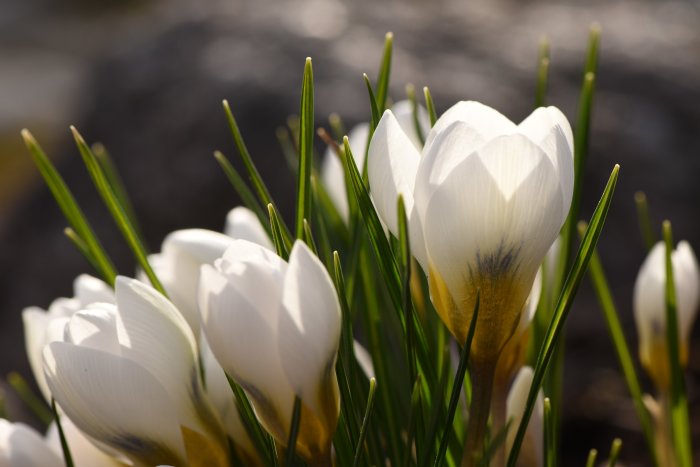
[(147, 78)]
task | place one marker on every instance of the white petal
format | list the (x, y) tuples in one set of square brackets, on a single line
[(548, 128), (530, 307), (21, 446), (183, 253), (82, 450), (113, 400), (90, 289), (154, 334), (501, 208), (243, 224), (222, 398), (333, 172), (515, 408), (309, 328), (35, 322), (403, 111), (687, 280), (364, 359), (484, 120), (95, 327)]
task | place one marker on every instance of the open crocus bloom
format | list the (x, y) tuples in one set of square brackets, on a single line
[(127, 375), (650, 307), (21, 446), (485, 199), (332, 171), (274, 327), (38, 330)]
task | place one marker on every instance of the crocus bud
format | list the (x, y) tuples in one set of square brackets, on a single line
[(531, 449), (128, 376), (485, 199), (37, 322), (332, 171), (21, 446), (274, 327), (650, 307)]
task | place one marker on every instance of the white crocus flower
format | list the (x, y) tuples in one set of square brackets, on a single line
[(82, 450), (485, 199), (21, 446), (37, 322), (650, 307), (128, 376), (332, 170), (531, 449), (274, 327)]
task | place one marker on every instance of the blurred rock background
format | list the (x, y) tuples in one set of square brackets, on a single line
[(146, 79)]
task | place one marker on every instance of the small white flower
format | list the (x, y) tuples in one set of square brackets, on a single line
[(485, 199), (650, 306), (274, 327), (21, 446), (38, 330), (127, 375)]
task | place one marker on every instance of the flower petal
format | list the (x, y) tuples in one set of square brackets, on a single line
[(403, 111), (309, 327), (90, 289), (531, 449), (484, 120), (21, 446), (243, 224), (549, 129), (82, 449), (115, 401)]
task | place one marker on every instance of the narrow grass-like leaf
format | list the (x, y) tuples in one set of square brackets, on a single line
[(384, 73), (255, 178), (306, 142), (680, 426), (645, 226), (365, 422), (308, 237), (494, 444), (411, 94), (406, 260), (592, 456), (293, 433), (281, 246), (67, 457), (593, 48), (35, 404), (291, 155), (413, 416), (542, 73), (549, 450), (241, 188), (262, 441), (337, 127), (614, 452), (80, 244), (116, 210), (376, 115), (115, 181), (561, 311), (346, 353), (624, 356), (72, 212), (457, 385), (430, 105)]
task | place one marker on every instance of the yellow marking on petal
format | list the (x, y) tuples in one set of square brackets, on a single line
[(655, 360), (202, 451)]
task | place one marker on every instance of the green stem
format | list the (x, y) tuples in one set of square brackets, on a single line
[(482, 388)]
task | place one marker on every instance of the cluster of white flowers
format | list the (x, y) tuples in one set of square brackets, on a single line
[(141, 379)]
